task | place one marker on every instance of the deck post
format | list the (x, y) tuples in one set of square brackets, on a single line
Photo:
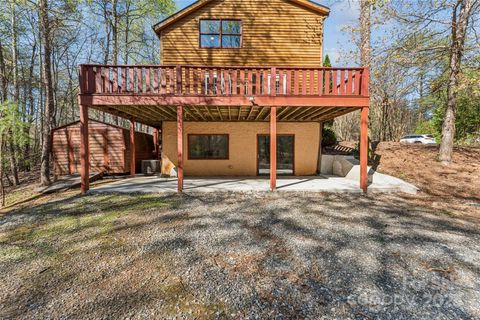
[(84, 150), (273, 148), (133, 159), (180, 147), (364, 149)]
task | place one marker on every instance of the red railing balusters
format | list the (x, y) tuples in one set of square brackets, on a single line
[(219, 81), (320, 76), (296, 82), (273, 81)]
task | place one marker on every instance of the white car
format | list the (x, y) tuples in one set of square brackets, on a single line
[(419, 138)]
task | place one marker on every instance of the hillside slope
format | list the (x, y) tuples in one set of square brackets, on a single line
[(457, 185)]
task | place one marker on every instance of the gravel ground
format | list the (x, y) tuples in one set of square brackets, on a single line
[(256, 255)]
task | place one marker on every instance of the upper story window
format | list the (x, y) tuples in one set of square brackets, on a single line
[(220, 33)]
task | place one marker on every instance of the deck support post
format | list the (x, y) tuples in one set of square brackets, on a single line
[(180, 147), (84, 150), (133, 159), (364, 149), (273, 148)]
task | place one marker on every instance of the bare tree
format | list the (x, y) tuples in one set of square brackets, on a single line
[(49, 101), (461, 13), (365, 33), (16, 91)]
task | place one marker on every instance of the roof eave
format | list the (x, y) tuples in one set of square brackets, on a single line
[(200, 3)]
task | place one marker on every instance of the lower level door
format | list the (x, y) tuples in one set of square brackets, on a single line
[(285, 156)]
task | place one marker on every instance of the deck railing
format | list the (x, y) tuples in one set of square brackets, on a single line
[(222, 81)]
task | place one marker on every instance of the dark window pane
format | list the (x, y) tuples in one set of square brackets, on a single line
[(231, 27), (208, 147), (231, 41), (210, 41), (210, 26)]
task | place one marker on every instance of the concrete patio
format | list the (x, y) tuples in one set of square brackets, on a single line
[(156, 184)]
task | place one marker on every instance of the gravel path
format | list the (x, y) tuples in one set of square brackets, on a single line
[(253, 256)]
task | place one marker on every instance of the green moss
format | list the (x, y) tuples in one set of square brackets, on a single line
[(19, 195), (15, 253)]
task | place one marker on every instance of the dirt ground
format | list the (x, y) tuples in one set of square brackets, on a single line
[(456, 186)]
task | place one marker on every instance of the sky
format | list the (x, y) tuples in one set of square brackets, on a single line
[(342, 13)]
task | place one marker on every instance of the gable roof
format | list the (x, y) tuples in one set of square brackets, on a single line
[(74, 123), (309, 4)]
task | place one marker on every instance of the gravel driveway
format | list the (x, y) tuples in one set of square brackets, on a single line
[(256, 255)]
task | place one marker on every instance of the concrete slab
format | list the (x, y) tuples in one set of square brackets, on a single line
[(156, 184)]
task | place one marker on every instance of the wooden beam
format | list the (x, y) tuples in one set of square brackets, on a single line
[(132, 148), (250, 113), (302, 113), (336, 114), (329, 114), (315, 113), (287, 115), (273, 149), (244, 101), (84, 150), (364, 149), (210, 113), (199, 113), (283, 111), (180, 147), (259, 113)]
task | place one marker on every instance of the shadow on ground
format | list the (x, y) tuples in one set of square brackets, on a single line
[(238, 255)]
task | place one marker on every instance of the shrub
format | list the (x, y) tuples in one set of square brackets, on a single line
[(329, 138)]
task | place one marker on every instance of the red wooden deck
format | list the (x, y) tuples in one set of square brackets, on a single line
[(151, 94)]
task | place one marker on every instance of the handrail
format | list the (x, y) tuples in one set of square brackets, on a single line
[(191, 80), (207, 66)]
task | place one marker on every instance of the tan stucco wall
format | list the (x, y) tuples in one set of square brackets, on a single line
[(243, 146)]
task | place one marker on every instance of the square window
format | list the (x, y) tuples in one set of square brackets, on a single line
[(210, 26), (210, 41), (218, 33), (231, 41), (231, 27)]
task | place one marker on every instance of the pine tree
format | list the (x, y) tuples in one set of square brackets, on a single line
[(326, 62)]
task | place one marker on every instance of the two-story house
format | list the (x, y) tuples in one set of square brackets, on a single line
[(240, 91)]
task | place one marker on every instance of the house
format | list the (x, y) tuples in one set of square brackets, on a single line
[(109, 147), (240, 90)]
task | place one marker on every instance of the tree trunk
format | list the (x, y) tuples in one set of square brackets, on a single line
[(365, 33), (457, 47), (115, 32), (13, 159), (31, 103), (49, 101), (115, 38), (2, 185), (16, 94), (3, 76)]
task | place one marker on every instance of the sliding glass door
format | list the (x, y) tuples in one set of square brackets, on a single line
[(285, 154)]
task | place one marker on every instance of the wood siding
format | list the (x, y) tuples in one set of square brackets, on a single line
[(109, 148), (275, 32)]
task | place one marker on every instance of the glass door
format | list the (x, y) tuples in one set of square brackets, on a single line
[(285, 154)]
